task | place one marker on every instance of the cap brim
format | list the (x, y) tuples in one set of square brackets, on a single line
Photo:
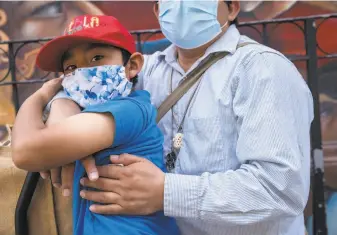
[(50, 55)]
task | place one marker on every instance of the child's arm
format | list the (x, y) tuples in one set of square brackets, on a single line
[(62, 99), (37, 147), (62, 109), (58, 111)]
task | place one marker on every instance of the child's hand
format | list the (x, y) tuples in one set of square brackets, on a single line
[(49, 89), (62, 177)]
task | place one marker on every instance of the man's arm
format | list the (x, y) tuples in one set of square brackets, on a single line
[(274, 111)]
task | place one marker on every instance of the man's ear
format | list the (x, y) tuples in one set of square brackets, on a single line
[(134, 66), (233, 10), (156, 9)]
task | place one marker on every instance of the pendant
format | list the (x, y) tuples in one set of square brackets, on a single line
[(178, 140), (170, 161)]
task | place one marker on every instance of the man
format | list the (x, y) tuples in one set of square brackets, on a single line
[(244, 167)]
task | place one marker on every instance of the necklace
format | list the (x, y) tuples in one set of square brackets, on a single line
[(177, 140)]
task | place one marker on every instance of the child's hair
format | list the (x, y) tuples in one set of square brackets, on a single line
[(125, 56)]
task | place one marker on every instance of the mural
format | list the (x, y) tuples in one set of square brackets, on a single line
[(30, 20)]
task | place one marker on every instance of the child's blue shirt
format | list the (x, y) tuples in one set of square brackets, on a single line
[(137, 134)]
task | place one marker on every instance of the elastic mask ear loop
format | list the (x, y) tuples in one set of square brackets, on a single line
[(224, 25)]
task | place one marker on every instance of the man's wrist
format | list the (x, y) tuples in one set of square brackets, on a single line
[(181, 195)]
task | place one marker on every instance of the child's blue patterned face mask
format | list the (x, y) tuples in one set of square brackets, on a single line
[(95, 85)]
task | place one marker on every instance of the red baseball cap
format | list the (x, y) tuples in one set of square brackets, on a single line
[(84, 29)]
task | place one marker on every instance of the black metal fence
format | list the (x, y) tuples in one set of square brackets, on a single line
[(263, 30)]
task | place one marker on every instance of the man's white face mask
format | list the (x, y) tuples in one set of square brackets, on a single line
[(189, 24)]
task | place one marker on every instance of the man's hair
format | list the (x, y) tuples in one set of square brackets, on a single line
[(235, 21), (125, 57)]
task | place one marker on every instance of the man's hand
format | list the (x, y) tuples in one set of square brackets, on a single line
[(137, 188)]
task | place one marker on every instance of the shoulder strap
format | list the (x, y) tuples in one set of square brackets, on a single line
[(190, 80)]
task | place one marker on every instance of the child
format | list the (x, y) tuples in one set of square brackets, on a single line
[(97, 56)]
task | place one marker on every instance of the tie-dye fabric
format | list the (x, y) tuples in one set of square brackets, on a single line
[(96, 85)]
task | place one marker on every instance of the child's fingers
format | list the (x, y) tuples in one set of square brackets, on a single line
[(56, 177), (67, 176), (89, 165), (44, 174), (49, 89)]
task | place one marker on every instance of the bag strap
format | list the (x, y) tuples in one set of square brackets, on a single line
[(190, 80)]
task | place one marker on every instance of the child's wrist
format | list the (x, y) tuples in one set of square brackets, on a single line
[(39, 98)]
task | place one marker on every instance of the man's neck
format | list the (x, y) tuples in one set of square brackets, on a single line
[(187, 57)]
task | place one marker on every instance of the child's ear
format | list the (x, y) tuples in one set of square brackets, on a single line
[(134, 66)]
